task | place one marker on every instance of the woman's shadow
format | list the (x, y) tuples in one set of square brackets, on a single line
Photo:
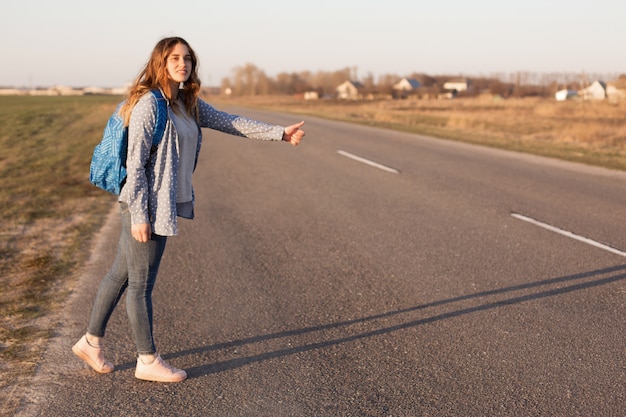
[(544, 289)]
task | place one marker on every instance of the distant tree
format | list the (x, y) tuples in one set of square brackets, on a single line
[(292, 83), (226, 85), (340, 76), (369, 85), (250, 81), (386, 83), (497, 87), (320, 81), (284, 83)]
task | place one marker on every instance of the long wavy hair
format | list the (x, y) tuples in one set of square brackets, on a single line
[(154, 75)]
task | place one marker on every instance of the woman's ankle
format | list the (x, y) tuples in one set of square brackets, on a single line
[(147, 358), (93, 341)]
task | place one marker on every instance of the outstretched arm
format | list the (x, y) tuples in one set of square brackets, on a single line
[(293, 134)]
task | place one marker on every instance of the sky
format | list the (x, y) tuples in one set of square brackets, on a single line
[(79, 43)]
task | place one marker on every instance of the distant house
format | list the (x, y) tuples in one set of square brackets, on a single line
[(61, 90), (311, 95), (349, 90), (12, 92), (456, 85), (563, 95), (406, 86), (616, 90), (596, 91), (95, 90)]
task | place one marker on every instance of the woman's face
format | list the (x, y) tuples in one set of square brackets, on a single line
[(179, 64)]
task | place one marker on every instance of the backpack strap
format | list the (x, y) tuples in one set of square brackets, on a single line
[(161, 121)]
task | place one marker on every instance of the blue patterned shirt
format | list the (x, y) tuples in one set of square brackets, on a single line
[(150, 188)]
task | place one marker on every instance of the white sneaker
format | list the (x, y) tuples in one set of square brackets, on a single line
[(158, 371), (92, 355)]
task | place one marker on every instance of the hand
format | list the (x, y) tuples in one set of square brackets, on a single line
[(141, 232), (293, 134)]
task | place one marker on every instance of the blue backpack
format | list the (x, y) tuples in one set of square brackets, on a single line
[(108, 162)]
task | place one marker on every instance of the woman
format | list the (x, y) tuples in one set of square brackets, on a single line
[(158, 189)]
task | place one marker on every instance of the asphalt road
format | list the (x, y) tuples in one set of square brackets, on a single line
[(312, 283)]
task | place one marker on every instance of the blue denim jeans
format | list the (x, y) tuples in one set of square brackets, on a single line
[(135, 268)]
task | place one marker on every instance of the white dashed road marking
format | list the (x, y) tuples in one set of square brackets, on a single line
[(569, 234), (368, 162)]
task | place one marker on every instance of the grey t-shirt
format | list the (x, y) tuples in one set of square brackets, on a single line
[(187, 130)]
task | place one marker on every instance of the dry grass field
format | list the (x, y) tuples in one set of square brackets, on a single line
[(583, 131), (48, 214), (49, 211)]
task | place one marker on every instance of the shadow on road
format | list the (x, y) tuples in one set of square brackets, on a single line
[(207, 369)]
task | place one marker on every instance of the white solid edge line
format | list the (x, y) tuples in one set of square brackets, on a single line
[(569, 234), (368, 162)]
